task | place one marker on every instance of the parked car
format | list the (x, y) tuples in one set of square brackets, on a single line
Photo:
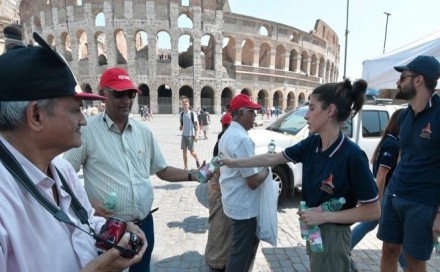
[(365, 129)]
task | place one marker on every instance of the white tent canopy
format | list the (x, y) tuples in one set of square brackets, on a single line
[(379, 72)]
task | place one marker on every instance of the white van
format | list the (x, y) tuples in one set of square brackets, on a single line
[(292, 128)]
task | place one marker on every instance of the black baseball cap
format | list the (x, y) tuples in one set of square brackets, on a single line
[(428, 66), (38, 72)]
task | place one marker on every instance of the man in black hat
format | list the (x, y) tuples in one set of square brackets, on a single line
[(46, 219), (13, 37), (410, 220)]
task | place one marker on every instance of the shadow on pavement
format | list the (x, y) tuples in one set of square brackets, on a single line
[(289, 203), (202, 194), (192, 224), (188, 261), (170, 186)]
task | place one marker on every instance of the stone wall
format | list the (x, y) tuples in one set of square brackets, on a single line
[(276, 64)]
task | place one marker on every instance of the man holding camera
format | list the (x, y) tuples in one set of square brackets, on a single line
[(46, 222)]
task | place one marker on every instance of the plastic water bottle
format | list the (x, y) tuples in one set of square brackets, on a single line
[(332, 205), (271, 147), (437, 248), (315, 239), (204, 174), (303, 226), (110, 201)]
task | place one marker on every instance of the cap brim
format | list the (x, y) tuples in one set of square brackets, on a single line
[(254, 106), (90, 96), (401, 68)]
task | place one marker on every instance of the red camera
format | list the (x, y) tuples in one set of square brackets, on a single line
[(111, 232)]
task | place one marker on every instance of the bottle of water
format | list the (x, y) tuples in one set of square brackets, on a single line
[(315, 239), (303, 226), (110, 201), (204, 174), (437, 248), (332, 205), (271, 147)]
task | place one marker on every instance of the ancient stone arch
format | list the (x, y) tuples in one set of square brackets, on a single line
[(96, 35)]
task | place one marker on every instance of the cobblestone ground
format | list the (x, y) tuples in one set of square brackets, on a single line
[(181, 223)]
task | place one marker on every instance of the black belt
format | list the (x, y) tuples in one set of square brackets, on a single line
[(141, 221)]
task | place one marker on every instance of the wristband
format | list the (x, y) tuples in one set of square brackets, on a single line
[(189, 176)]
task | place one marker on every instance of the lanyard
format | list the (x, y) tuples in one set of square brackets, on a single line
[(12, 165)]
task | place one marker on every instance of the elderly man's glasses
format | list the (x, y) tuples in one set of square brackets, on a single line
[(120, 95), (248, 110), (403, 76)]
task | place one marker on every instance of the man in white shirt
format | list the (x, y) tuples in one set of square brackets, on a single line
[(240, 186)]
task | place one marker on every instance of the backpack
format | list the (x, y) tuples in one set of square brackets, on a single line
[(192, 119)]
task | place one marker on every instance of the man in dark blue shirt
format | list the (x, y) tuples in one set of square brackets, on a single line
[(411, 214)]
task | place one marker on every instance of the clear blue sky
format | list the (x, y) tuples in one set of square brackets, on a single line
[(409, 21)]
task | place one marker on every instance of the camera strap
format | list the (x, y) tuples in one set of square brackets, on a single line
[(12, 165)]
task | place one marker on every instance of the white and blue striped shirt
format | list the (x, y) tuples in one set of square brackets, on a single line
[(121, 163)]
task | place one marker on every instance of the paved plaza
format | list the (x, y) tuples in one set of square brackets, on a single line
[(181, 223)]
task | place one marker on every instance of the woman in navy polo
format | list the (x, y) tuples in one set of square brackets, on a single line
[(333, 166), (384, 161)]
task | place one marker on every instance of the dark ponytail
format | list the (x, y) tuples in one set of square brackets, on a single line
[(347, 98)]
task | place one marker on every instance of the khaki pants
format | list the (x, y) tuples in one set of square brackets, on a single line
[(336, 255)]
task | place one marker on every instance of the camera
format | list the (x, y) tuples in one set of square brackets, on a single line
[(110, 234)]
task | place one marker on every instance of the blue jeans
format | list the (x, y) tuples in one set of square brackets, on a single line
[(361, 230), (148, 228), (365, 227)]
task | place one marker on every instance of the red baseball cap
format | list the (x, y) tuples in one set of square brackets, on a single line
[(117, 79), (243, 101), (226, 119)]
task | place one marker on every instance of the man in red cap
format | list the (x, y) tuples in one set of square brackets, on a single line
[(238, 185), (119, 155)]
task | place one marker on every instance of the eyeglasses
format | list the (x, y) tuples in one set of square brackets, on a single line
[(249, 110), (120, 95), (403, 76)]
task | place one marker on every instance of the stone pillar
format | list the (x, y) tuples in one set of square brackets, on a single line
[(273, 55), (238, 50)]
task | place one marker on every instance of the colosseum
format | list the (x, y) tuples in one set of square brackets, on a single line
[(196, 48)]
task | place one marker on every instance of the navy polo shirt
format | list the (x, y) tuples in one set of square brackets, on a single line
[(387, 156), (417, 177), (340, 171)]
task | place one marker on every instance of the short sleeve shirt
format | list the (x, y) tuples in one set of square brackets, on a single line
[(417, 176), (188, 125), (387, 156), (239, 201), (340, 171), (118, 162)]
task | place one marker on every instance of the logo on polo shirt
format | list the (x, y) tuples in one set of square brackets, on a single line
[(426, 132), (327, 185)]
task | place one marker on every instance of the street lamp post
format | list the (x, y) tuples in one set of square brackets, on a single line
[(346, 40), (386, 30)]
